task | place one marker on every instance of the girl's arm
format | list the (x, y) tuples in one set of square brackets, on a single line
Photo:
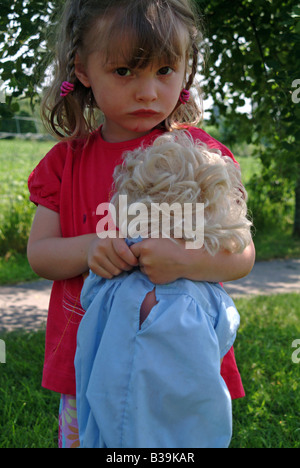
[(56, 258), (163, 262)]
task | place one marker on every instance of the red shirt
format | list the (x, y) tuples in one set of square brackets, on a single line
[(72, 180)]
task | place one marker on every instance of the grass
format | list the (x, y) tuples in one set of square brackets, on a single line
[(25, 152), (267, 418), (14, 268), (28, 414), (269, 415), (276, 244), (17, 159)]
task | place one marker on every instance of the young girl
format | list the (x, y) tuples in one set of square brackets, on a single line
[(148, 357), (135, 60)]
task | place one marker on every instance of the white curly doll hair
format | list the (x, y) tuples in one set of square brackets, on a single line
[(178, 170)]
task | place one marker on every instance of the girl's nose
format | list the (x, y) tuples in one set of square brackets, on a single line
[(146, 91)]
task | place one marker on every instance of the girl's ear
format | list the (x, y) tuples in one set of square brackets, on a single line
[(80, 72)]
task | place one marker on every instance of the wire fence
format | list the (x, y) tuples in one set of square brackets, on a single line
[(27, 128)]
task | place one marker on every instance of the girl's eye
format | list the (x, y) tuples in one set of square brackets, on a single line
[(123, 71), (165, 71)]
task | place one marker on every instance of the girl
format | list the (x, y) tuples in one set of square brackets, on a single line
[(148, 357), (135, 60)]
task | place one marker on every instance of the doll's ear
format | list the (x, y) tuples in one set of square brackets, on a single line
[(81, 72)]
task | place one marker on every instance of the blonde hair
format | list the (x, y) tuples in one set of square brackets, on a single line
[(153, 27), (175, 169)]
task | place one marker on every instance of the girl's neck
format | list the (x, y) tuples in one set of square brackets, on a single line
[(116, 134)]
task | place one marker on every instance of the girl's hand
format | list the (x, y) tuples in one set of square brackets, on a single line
[(161, 260), (109, 257)]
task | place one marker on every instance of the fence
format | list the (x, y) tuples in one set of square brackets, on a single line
[(22, 127)]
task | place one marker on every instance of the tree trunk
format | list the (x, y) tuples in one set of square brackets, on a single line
[(297, 210)]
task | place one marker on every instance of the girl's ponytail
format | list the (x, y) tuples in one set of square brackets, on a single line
[(190, 112), (70, 116), (194, 68)]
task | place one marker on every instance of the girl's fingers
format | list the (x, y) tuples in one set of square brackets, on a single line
[(124, 253), (106, 269), (110, 257)]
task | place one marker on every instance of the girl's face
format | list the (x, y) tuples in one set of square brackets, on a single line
[(132, 101)]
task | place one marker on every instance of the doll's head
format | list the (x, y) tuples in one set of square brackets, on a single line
[(137, 33), (177, 170)]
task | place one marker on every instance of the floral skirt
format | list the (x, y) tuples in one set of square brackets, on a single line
[(68, 434)]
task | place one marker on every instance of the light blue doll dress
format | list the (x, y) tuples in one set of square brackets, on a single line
[(158, 386)]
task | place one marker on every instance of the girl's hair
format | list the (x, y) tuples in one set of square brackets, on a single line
[(175, 169), (154, 28)]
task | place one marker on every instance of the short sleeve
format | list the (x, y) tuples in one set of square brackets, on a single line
[(199, 134), (44, 182), (212, 143)]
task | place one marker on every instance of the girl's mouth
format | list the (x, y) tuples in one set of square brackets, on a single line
[(144, 113)]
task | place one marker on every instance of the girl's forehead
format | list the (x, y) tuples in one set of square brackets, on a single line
[(137, 47)]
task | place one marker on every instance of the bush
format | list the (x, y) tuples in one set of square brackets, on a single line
[(17, 216), (271, 202)]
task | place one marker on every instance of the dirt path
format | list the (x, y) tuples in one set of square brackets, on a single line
[(24, 306), (274, 277)]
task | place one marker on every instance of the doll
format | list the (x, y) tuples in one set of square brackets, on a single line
[(148, 356)]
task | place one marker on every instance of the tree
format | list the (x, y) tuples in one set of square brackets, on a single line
[(25, 40), (254, 54)]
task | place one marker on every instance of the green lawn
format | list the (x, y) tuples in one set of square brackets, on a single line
[(28, 413), (17, 160), (14, 268), (267, 418), (269, 415)]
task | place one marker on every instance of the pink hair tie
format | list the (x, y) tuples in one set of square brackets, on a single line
[(66, 88), (184, 96)]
